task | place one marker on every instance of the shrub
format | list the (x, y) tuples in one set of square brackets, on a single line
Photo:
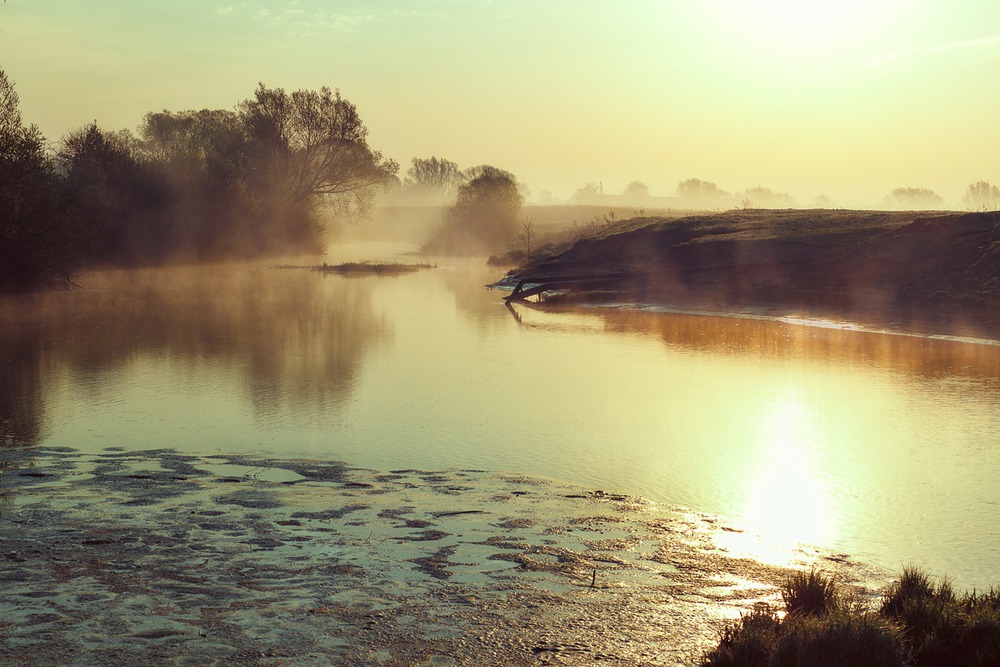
[(749, 642), (918, 623), (838, 639), (809, 593), (913, 585)]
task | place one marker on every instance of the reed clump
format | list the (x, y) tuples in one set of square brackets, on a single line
[(917, 623)]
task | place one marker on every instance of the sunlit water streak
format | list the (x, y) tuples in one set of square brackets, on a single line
[(881, 446)]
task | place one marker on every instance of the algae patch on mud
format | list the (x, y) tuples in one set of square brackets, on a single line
[(152, 556)]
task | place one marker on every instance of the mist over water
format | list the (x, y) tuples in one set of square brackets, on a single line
[(881, 446)]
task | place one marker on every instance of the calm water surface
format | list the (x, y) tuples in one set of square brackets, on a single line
[(882, 446)]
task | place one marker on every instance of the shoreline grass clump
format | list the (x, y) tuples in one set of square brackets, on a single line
[(378, 268), (810, 593), (917, 624)]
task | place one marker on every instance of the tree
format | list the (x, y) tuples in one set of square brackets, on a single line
[(981, 196), (37, 246), (695, 188), (761, 197), (916, 199), (201, 156), (193, 141), (588, 194), (636, 189), (311, 146), (484, 216), (526, 236), (113, 196), (434, 177)]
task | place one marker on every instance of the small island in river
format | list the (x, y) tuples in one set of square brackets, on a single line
[(928, 272), (364, 268)]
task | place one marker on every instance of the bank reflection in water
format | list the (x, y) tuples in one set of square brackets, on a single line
[(164, 343)]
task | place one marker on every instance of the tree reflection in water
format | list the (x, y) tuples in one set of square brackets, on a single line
[(294, 336)]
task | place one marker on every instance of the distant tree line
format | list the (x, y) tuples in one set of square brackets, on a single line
[(199, 185), (979, 196)]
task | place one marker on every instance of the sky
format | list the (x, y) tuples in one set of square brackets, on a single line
[(844, 98)]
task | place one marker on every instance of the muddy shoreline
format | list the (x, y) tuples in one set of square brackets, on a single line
[(154, 557)]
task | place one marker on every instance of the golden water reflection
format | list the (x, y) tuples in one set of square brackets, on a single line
[(167, 344), (866, 441), (788, 501)]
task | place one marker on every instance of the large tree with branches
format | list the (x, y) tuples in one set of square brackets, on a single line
[(311, 146)]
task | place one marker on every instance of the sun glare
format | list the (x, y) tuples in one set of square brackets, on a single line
[(806, 35), (787, 502)]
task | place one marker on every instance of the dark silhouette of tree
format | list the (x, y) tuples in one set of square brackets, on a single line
[(916, 199), (201, 156), (696, 188), (37, 246), (193, 185), (309, 146), (982, 196), (112, 195), (484, 217), (434, 177)]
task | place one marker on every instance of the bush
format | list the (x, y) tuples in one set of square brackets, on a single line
[(917, 623), (838, 638), (749, 642), (811, 593)]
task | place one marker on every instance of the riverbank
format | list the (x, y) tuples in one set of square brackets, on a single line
[(921, 272), (145, 557)]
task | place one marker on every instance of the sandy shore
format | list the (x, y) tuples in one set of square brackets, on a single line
[(153, 557)]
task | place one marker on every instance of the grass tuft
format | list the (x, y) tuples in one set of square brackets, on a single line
[(749, 642), (810, 593), (839, 639), (917, 624)]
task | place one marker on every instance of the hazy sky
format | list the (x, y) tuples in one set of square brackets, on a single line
[(848, 98)]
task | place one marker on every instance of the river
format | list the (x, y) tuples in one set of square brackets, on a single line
[(882, 446)]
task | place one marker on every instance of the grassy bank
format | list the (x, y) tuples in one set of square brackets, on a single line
[(916, 623), (934, 272)]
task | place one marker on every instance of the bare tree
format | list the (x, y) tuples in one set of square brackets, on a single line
[(526, 236), (435, 176), (916, 199), (761, 197), (696, 188), (981, 196)]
